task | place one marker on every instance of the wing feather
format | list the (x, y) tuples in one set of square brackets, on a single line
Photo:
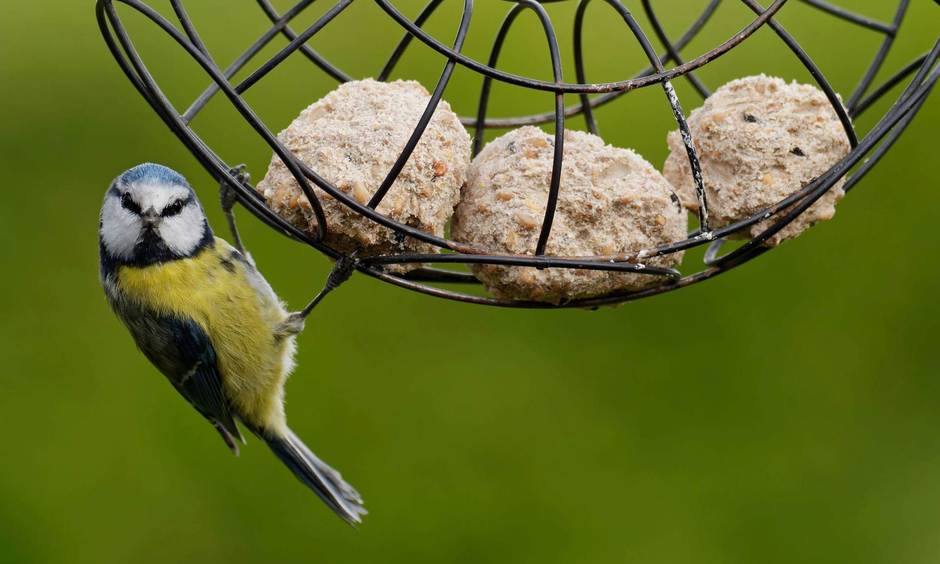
[(183, 352), (201, 384)]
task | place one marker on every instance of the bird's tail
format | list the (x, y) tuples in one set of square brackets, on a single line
[(327, 483)]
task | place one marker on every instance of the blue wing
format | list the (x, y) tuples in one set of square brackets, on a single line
[(182, 351), (202, 385)]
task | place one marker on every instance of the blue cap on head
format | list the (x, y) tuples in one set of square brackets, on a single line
[(153, 173)]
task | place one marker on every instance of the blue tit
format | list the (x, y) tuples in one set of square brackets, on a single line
[(203, 314)]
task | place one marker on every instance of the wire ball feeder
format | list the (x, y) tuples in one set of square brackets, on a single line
[(562, 161)]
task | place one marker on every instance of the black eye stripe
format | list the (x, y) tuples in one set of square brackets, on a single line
[(128, 203), (174, 208)]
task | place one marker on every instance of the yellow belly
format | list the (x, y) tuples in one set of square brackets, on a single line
[(239, 317)]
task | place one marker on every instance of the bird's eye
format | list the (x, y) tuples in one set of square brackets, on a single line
[(128, 203), (173, 209)]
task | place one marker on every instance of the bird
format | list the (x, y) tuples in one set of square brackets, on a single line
[(201, 312)]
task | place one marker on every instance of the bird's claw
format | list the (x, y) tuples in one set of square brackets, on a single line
[(343, 269), (291, 326), (227, 194)]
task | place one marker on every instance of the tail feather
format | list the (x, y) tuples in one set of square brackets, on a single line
[(348, 492), (326, 482)]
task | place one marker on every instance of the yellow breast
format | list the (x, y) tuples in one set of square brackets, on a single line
[(222, 295)]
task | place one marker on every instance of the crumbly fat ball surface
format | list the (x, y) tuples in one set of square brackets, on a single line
[(759, 140), (611, 202), (352, 137)]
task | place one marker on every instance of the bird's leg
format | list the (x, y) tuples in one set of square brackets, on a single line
[(228, 197), (342, 270)]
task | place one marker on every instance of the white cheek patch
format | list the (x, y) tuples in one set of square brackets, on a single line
[(183, 231), (120, 229), (154, 195)]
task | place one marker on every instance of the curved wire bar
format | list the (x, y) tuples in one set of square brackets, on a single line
[(439, 275), (188, 27), (852, 17), (817, 75), (242, 59), (294, 45), (929, 60), (887, 85), (885, 132), (672, 49), (314, 57), (883, 148), (672, 98), (428, 111), (573, 88), (879, 59), (585, 263), (280, 26), (406, 40), (579, 72), (921, 72), (602, 99), (558, 156)]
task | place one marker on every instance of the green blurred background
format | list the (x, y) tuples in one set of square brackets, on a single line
[(785, 412)]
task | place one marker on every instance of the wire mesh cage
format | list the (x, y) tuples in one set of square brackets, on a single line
[(920, 76)]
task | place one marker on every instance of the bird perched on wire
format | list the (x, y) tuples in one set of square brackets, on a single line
[(203, 314)]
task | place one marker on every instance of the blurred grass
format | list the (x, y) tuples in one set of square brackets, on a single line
[(786, 412)]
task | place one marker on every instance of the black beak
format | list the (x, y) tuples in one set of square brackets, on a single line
[(151, 218)]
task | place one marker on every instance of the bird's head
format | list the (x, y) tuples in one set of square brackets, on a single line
[(150, 214)]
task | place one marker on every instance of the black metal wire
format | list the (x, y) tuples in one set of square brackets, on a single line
[(312, 55), (428, 111), (673, 99), (242, 59), (817, 74), (873, 146), (887, 85), (602, 99), (673, 50), (406, 40), (852, 17), (294, 45), (880, 56), (574, 88)]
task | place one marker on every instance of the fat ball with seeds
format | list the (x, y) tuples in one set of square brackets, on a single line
[(760, 139), (352, 137), (611, 202)]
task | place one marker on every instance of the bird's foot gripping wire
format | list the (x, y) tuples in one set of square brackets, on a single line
[(228, 197), (342, 270), (291, 326)]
